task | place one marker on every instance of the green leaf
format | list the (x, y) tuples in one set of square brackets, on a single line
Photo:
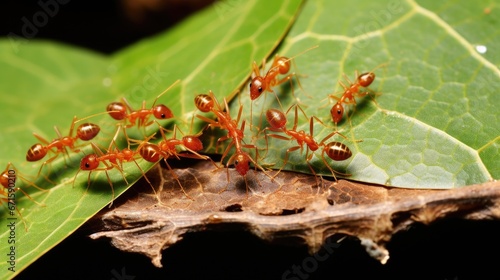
[(433, 119), (45, 84)]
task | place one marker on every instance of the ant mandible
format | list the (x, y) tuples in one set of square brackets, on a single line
[(123, 111)]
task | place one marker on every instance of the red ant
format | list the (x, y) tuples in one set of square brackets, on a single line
[(208, 103), (123, 110), (112, 159), (8, 180), (167, 148), (280, 66), (350, 92), (335, 150), (85, 132)]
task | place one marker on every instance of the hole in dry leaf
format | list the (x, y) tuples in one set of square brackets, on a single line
[(400, 217), (292, 211), (233, 208)]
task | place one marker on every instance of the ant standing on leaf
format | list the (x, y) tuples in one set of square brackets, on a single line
[(335, 150), (351, 91), (260, 84), (112, 159), (123, 111), (8, 189), (240, 159), (280, 66), (84, 132), (167, 148)]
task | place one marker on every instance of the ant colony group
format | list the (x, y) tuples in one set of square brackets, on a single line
[(190, 146)]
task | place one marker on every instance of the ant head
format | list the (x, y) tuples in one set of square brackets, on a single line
[(192, 143), (204, 102), (36, 152), (117, 110), (162, 112), (337, 112), (150, 152), (283, 65), (366, 79), (89, 162), (256, 87), (242, 163), (276, 118), (87, 131)]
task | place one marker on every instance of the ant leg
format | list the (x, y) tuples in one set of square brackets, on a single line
[(296, 117), (19, 213), (239, 113), (255, 69), (71, 128), (105, 169), (331, 169), (287, 78), (211, 123), (347, 80), (50, 167), (30, 183), (262, 111), (112, 189), (177, 179), (332, 133), (149, 182), (277, 136), (129, 108), (298, 80), (229, 162), (40, 138), (285, 161), (314, 172), (23, 178), (226, 151), (30, 198), (300, 108)]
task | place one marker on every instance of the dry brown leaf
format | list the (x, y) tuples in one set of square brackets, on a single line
[(291, 207)]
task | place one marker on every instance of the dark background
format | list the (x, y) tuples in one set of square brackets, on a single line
[(452, 249)]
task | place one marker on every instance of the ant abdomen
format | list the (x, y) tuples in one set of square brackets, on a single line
[(117, 110), (366, 79), (276, 118), (36, 152), (150, 152), (204, 102), (283, 65), (87, 131), (192, 143), (337, 151)]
